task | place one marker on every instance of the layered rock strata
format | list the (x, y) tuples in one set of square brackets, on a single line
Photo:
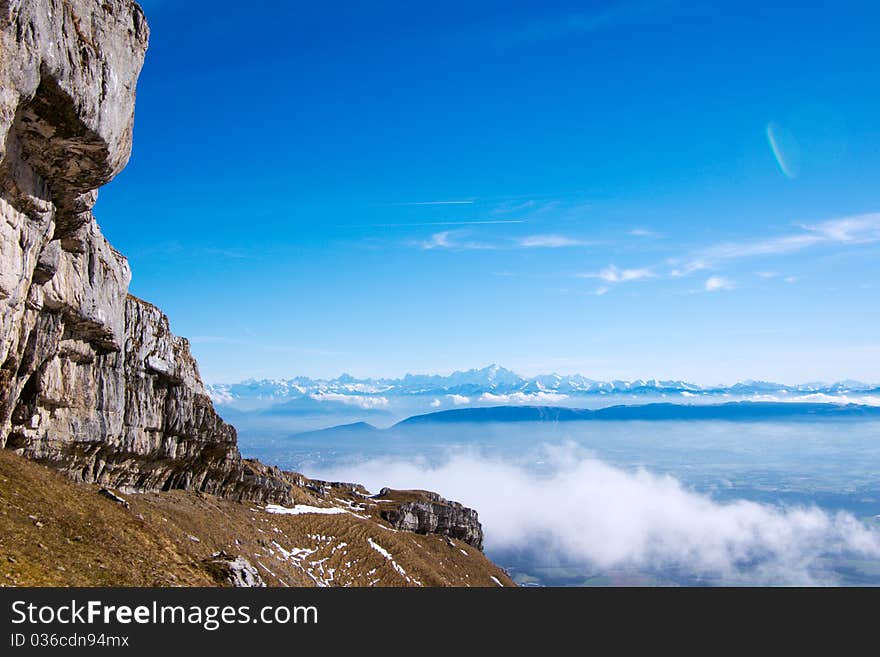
[(424, 512), (92, 381)]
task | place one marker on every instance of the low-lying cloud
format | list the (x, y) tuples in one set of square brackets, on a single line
[(609, 517), (513, 398), (522, 398), (818, 398), (361, 401)]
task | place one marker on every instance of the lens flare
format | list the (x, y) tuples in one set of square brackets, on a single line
[(785, 149)]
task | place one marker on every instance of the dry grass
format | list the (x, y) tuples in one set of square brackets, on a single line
[(54, 532)]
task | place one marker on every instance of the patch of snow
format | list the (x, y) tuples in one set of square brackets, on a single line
[(397, 567), (378, 548), (300, 509)]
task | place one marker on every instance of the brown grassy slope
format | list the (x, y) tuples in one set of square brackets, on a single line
[(57, 532), (54, 532)]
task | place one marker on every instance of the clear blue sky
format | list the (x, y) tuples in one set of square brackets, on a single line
[(621, 189)]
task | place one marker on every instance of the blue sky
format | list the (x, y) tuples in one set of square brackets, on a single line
[(620, 189)]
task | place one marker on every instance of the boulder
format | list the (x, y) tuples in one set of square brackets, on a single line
[(234, 571)]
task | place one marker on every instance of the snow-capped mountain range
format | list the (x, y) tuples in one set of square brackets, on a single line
[(495, 384)]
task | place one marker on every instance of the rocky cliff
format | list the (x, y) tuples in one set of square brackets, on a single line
[(424, 512), (92, 381), (58, 532)]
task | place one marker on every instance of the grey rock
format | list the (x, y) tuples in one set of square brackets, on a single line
[(113, 497), (424, 512), (235, 571), (92, 381)]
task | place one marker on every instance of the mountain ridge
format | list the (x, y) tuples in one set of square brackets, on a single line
[(732, 411), (495, 380), (656, 412)]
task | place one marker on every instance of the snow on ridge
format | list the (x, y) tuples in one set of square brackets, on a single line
[(495, 384), (378, 548), (300, 509), (220, 394), (397, 567)]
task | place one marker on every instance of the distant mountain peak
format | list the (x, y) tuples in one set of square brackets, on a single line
[(466, 386)]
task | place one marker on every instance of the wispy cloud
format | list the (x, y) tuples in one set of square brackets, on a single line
[(452, 240), (679, 270), (621, 13), (717, 283), (644, 232), (469, 201), (512, 206), (612, 274), (549, 241), (842, 232), (857, 229), (477, 222), (227, 253), (457, 240), (438, 241)]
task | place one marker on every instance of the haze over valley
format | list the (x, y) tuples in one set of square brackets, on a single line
[(584, 482)]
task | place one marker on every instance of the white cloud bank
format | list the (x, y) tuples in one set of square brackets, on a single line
[(522, 398), (608, 517), (361, 401), (820, 398)]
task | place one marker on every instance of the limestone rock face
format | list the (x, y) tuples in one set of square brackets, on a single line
[(424, 512), (92, 381)]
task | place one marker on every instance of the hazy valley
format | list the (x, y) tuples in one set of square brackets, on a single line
[(638, 490)]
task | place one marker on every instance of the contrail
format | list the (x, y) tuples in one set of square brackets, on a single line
[(466, 202)]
